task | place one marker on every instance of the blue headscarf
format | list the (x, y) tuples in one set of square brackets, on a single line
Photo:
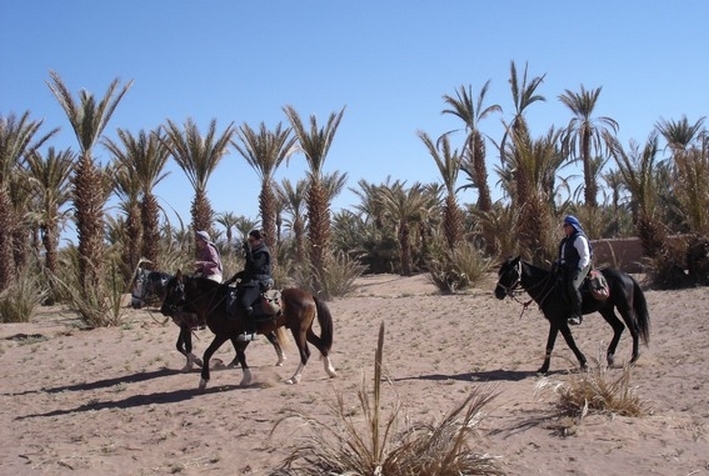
[(574, 222)]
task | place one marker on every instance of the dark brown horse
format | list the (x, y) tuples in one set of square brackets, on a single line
[(299, 309), (625, 296), (150, 287)]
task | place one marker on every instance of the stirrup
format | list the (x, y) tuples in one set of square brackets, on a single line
[(246, 337)]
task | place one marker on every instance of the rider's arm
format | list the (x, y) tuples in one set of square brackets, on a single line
[(581, 245)]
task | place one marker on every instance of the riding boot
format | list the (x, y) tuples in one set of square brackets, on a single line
[(576, 315), (249, 333)]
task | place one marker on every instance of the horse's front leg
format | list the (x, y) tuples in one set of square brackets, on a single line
[(271, 336), (216, 343), (551, 339), (240, 348), (186, 333), (181, 346), (566, 332)]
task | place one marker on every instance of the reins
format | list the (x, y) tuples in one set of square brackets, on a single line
[(526, 304)]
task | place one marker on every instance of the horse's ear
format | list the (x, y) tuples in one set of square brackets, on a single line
[(178, 275)]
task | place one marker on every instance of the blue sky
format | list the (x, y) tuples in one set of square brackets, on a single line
[(387, 62)]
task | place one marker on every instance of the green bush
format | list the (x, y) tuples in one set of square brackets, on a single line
[(18, 300), (459, 269)]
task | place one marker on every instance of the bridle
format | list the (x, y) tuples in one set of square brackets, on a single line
[(511, 288), (182, 302)]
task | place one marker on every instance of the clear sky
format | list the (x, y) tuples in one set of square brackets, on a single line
[(387, 62)]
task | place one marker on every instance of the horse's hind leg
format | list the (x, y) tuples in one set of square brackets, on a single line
[(632, 323), (317, 342), (618, 327), (299, 335)]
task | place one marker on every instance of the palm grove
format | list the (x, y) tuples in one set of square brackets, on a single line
[(653, 190)]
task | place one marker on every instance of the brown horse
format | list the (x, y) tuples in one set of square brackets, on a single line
[(150, 287), (299, 309)]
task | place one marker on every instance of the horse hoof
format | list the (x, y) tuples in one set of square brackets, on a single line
[(202, 384), (543, 371)]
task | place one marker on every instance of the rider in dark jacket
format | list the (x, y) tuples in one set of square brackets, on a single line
[(575, 262), (255, 278)]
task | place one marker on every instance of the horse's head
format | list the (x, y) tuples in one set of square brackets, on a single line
[(175, 295), (509, 277)]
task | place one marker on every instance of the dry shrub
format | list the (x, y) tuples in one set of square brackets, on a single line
[(375, 447), (596, 391)]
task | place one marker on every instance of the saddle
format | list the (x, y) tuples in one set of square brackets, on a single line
[(594, 285), (597, 285), (266, 307)]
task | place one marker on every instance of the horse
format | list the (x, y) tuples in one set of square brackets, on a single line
[(207, 299), (151, 287), (625, 296)]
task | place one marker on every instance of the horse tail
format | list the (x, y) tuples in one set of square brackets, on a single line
[(325, 321), (641, 313)]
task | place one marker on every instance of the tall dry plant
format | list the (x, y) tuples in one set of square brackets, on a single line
[(370, 442)]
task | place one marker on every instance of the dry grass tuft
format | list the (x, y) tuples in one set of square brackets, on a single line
[(373, 446), (596, 391)]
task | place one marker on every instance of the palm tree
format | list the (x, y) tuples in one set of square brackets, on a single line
[(690, 169), (405, 207), (198, 157), (50, 181), (315, 145), (228, 220), (535, 163), (523, 95), (638, 168), (583, 137), (143, 156), (18, 138), (265, 151), (88, 119), (127, 188), (463, 107), (448, 163), (294, 198)]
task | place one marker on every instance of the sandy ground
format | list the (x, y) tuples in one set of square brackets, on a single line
[(114, 401)]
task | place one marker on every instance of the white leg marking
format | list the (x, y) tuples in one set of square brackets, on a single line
[(329, 369)]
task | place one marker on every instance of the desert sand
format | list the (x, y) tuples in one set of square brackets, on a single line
[(115, 401)]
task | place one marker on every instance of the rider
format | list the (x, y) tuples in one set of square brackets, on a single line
[(208, 263), (575, 262), (255, 278)]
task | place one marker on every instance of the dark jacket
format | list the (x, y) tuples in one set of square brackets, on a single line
[(257, 267), (570, 258)]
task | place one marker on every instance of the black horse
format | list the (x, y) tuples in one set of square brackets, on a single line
[(298, 310), (150, 287), (541, 285)]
